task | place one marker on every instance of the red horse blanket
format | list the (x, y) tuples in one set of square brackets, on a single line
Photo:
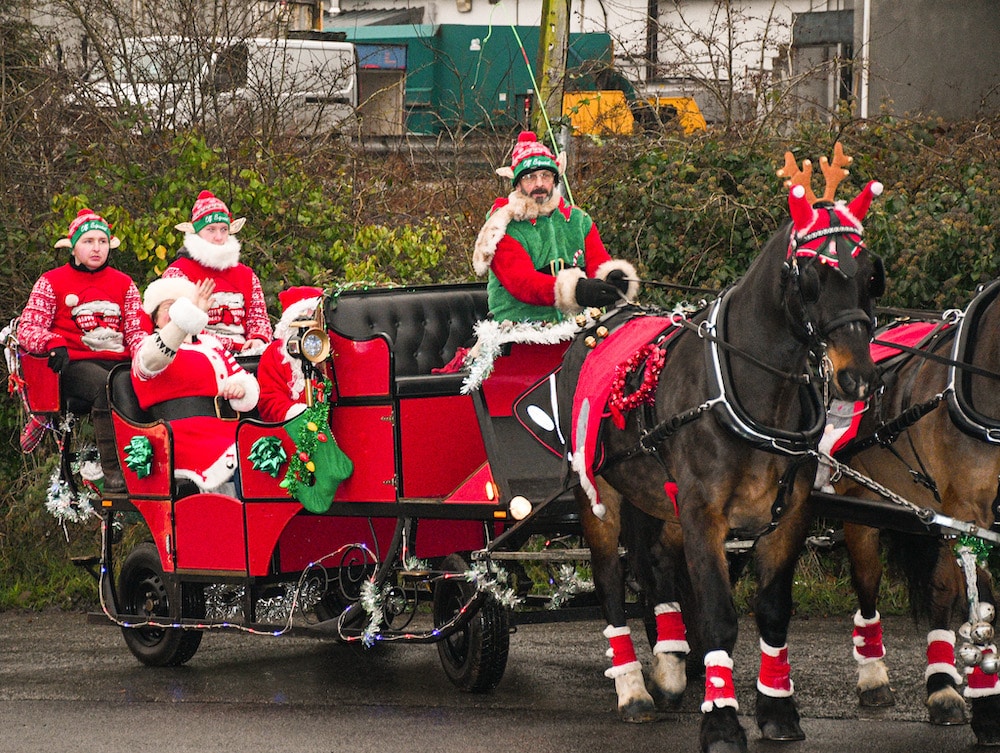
[(593, 389)]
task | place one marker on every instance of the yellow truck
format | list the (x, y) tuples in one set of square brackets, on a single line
[(610, 112)]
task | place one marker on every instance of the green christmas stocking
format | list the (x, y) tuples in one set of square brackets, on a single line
[(319, 465)]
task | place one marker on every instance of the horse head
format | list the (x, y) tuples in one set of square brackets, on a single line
[(830, 279)]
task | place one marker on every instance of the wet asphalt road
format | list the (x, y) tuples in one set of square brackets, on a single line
[(67, 685)]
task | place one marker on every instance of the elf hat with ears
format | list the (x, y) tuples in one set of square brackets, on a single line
[(209, 209), (167, 289), (86, 219), (529, 155)]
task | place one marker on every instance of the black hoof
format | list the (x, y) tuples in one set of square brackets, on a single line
[(778, 718), (637, 712), (986, 720), (663, 700), (721, 732), (879, 697)]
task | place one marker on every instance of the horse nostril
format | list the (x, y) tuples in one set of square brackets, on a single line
[(850, 384)]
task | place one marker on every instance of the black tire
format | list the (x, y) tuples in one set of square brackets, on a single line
[(474, 657), (143, 591)]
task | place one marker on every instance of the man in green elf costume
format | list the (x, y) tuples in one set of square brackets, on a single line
[(544, 257)]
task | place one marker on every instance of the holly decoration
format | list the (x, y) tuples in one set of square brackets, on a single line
[(620, 403), (139, 456), (977, 546), (267, 455), (318, 465)]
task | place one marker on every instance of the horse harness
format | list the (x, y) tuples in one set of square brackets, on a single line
[(960, 328)]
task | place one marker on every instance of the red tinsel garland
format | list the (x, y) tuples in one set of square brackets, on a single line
[(619, 403)]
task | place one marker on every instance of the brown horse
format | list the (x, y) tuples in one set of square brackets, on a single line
[(723, 450), (933, 437)]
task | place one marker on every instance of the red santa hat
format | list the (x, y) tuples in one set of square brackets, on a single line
[(86, 220), (209, 209), (529, 155), (294, 295)]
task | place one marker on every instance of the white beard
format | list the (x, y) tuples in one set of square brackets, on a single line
[(210, 255)]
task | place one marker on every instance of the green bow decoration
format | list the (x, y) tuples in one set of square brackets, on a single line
[(267, 455), (981, 549), (139, 456)]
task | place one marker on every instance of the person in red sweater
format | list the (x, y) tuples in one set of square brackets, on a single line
[(238, 314), (87, 317), (282, 382), (184, 375)]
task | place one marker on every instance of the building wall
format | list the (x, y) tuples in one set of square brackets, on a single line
[(932, 57)]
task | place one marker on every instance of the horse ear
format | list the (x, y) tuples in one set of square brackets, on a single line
[(876, 286)]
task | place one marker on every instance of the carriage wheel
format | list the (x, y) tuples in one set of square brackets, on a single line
[(474, 657), (143, 591)]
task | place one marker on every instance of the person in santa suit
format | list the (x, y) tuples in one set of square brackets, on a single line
[(87, 317), (280, 375), (184, 375), (238, 315), (544, 258)]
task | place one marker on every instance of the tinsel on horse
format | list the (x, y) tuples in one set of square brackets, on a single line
[(720, 442)]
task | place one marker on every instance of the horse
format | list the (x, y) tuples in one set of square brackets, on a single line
[(715, 441), (932, 436)]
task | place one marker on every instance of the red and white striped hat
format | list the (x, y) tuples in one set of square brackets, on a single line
[(209, 209)]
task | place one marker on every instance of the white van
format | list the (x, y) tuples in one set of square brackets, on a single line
[(301, 86)]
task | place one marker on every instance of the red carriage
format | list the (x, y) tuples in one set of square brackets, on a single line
[(437, 463)]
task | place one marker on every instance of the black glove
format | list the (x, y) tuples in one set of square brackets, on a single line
[(58, 358), (593, 292), (617, 278)]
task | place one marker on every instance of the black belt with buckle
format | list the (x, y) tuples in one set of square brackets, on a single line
[(553, 268), (186, 407)]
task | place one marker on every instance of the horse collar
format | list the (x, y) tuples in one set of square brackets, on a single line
[(730, 411)]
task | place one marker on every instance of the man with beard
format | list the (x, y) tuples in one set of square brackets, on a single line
[(544, 257)]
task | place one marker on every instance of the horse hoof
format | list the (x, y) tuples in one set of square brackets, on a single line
[(663, 700), (782, 731), (637, 712), (946, 716), (721, 732), (879, 697)]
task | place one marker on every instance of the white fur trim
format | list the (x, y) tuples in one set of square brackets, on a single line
[(860, 621), (248, 402), (186, 314), (216, 474), (718, 658), (948, 636), (166, 289), (667, 607), (294, 411), (771, 650), (211, 255), (768, 650), (611, 265), (623, 669), (671, 647), (943, 669), (565, 290), (492, 335), (616, 632), (518, 207), (304, 309)]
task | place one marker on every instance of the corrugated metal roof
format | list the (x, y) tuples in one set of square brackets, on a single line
[(373, 17)]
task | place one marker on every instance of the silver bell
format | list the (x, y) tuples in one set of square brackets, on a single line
[(986, 611), (990, 664), (982, 632), (965, 631), (970, 655)]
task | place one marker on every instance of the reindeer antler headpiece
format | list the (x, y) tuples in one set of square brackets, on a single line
[(826, 228)]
